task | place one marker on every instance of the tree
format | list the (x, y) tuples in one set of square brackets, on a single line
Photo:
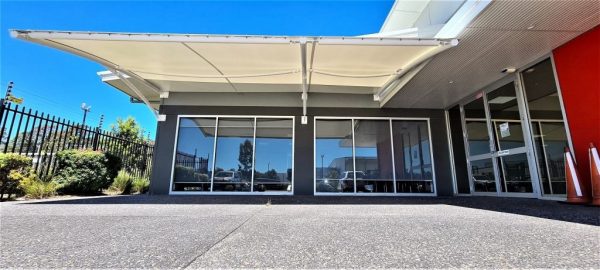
[(128, 129), (131, 147), (271, 174), (245, 159)]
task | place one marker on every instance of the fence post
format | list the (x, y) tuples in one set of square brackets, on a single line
[(2, 108), (95, 140)]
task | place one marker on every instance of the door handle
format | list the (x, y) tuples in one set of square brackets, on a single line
[(503, 153)]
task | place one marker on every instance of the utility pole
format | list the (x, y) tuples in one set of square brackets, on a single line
[(85, 109)]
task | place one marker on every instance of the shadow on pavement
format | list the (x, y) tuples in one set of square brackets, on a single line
[(529, 207)]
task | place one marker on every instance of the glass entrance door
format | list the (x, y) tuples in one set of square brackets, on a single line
[(497, 148), (511, 152), (479, 147)]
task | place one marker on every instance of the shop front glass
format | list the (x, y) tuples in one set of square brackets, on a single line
[(373, 156), (547, 125)]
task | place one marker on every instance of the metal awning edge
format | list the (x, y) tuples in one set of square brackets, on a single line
[(324, 40)]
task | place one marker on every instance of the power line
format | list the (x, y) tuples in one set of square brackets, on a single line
[(46, 99)]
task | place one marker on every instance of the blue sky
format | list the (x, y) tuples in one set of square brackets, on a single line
[(57, 83)]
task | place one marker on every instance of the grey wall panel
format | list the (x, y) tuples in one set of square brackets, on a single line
[(458, 145), (163, 156), (304, 147)]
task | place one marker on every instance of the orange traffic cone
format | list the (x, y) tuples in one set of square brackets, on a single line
[(576, 193), (595, 174)]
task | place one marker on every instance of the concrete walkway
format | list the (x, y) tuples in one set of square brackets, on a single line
[(227, 232)]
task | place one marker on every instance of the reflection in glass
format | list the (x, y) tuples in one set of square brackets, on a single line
[(333, 154), (508, 134), (273, 155), (548, 128), (412, 156), (514, 173), (193, 159), (478, 137), (504, 111), (373, 156), (483, 175), (234, 153), (550, 141)]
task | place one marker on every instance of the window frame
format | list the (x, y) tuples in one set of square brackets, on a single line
[(217, 117), (390, 119)]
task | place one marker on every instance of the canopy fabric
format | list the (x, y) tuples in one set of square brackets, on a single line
[(156, 63)]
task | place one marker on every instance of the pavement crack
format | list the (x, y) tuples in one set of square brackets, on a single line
[(222, 238)]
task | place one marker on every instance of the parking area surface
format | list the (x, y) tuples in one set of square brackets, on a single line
[(258, 232)]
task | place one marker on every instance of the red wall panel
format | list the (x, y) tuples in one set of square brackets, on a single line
[(578, 67)]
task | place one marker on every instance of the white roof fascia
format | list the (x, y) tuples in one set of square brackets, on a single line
[(107, 75), (403, 32), (35, 35), (463, 17)]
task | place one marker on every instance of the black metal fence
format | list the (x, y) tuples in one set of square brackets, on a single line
[(40, 136)]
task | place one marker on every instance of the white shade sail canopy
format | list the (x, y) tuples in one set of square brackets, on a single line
[(151, 64)]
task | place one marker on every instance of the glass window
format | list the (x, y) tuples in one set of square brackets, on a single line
[(476, 125), (234, 153), (373, 156), (231, 161), (193, 159), (333, 156), (412, 156), (273, 155), (377, 152), (506, 121), (550, 135), (483, 175), (514, 173)]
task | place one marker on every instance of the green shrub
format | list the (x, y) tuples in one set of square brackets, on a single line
[(122, 183), (83, 171), (35, 188), (13, 168), (113, 164), (140, 185)]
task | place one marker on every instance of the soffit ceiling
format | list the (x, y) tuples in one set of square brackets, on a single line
[(498, 38)]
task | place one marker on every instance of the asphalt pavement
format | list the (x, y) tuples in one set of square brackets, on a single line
[(295, 232)]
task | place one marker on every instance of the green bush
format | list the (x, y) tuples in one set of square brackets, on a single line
[(140, 185), (122, 183), (13, 168), (113, 164), (35, 188), (84, 171)]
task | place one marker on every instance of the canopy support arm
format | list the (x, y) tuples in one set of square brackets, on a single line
[(143, 81), (304, 81), (125, 80), (386, 90)]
